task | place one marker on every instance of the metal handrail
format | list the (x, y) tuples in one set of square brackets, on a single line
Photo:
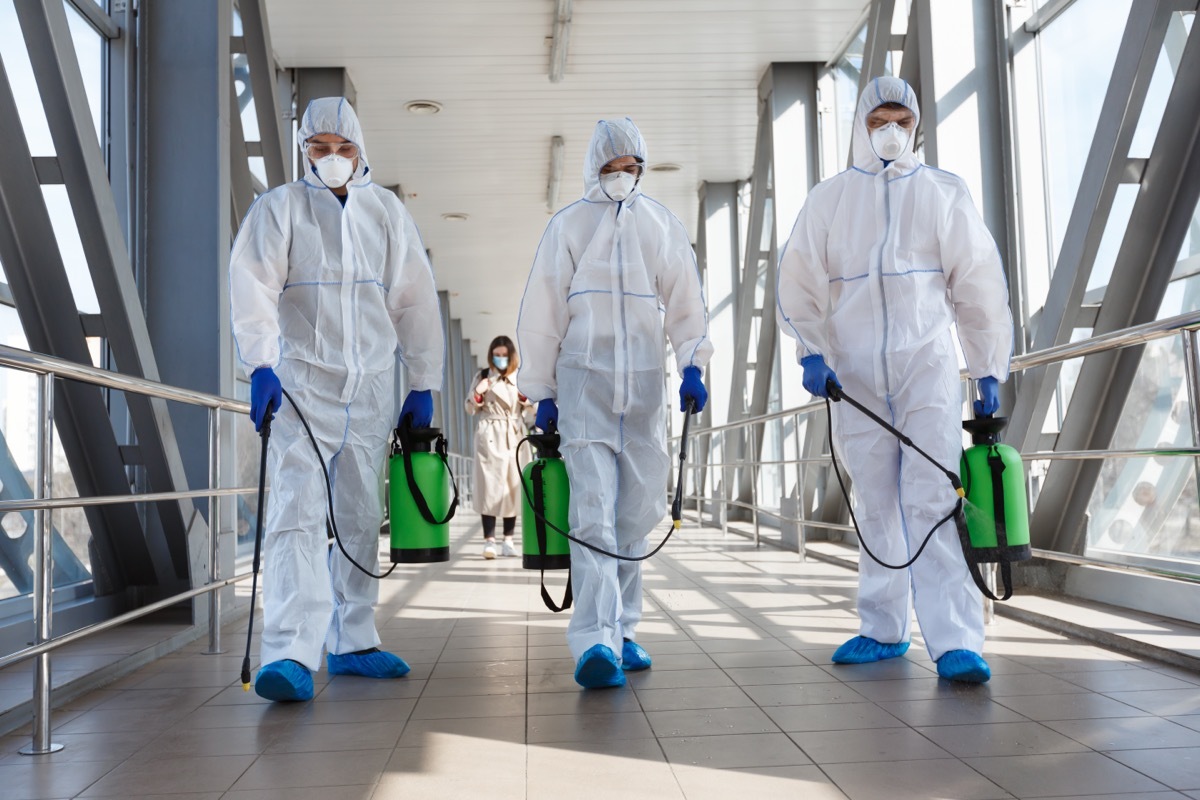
[(1116, 340), (114, 622), (42, 504), (29, 361), (1186, 324)]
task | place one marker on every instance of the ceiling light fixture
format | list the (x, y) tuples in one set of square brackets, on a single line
[(558, 46), (666, 166), (455, 216), (556, 167), (423, 108)]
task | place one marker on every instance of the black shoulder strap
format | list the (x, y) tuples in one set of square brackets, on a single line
[(539, 504), (415, 490)]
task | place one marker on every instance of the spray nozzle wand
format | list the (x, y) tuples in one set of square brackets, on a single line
[(264, 431), (677, 503)]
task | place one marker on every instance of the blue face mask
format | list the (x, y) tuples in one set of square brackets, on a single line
[(501, 362)]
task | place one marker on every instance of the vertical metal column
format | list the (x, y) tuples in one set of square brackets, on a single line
[(43, 587), (214, 532), (1191, 365)]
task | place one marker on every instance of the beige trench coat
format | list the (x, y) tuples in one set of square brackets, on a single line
[(503, 418)]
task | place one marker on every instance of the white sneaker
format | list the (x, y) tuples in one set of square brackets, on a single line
[(489, 551), (508, 549)]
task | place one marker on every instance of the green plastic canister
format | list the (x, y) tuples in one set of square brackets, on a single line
[(546, 497), (996, 509), (420, 502)]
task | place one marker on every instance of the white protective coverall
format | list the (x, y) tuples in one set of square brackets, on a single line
[(324, 294), (607, 280), (501, 424), (881, 262)]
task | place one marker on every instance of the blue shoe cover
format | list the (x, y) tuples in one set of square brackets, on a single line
[(373, 663), (864, 650), (965, 666), (598, 669), (284, 682), (634, 657)]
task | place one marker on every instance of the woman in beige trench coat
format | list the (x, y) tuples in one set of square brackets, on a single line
[(501, 411)]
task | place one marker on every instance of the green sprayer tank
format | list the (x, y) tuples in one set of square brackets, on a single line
[(546, 498), (997, 512), (420, 504)]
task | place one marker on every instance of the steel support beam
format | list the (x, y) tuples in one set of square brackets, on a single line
[(38, 280), (879, 41), (186, 220), (1158, 225), (785, 168), (52, 54), (917, 70), (276, 147), (1103, 171)]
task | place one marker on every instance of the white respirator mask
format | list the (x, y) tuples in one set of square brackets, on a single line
[(334, 171), (889, 141), (618, 185)]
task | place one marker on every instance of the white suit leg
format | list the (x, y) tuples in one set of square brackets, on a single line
[(592, 469), (643, 468), (358, 476), (949, 607), (297, 602), (871, 457)]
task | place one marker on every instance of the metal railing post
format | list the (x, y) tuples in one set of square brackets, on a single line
[(1191, 367), (801, 511), (754, 480), (214, 532), (43, 569)]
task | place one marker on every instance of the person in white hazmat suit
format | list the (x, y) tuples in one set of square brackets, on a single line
[(328, 276), (613, 270), (883, 259)]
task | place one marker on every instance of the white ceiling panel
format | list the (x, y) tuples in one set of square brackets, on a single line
[(686, 71)]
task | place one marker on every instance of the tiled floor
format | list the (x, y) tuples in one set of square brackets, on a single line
[(741, 699)]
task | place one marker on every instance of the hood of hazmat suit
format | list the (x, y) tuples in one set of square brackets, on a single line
[(332, 115), (883, 260), (327, 296), (611, 283)]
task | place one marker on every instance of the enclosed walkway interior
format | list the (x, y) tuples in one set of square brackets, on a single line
[(742, 700)]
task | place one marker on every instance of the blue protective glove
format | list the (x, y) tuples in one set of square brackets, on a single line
[(989, 391), (816, 374), (266, 395), (419, 407), (547, 414), (693, 389)]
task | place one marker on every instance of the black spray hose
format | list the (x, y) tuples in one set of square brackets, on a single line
[(676, 504), (836, 394), (265, 433), (329, 494)]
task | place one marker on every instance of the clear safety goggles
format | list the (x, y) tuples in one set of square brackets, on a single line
[(633, 169), (318, 150)]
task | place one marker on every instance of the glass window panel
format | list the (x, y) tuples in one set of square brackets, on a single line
[(67, 235), (1156, 94), (18, 460), (1078, 50), (89, 49), (1114, 235), (20, 78), (1147, 507)]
